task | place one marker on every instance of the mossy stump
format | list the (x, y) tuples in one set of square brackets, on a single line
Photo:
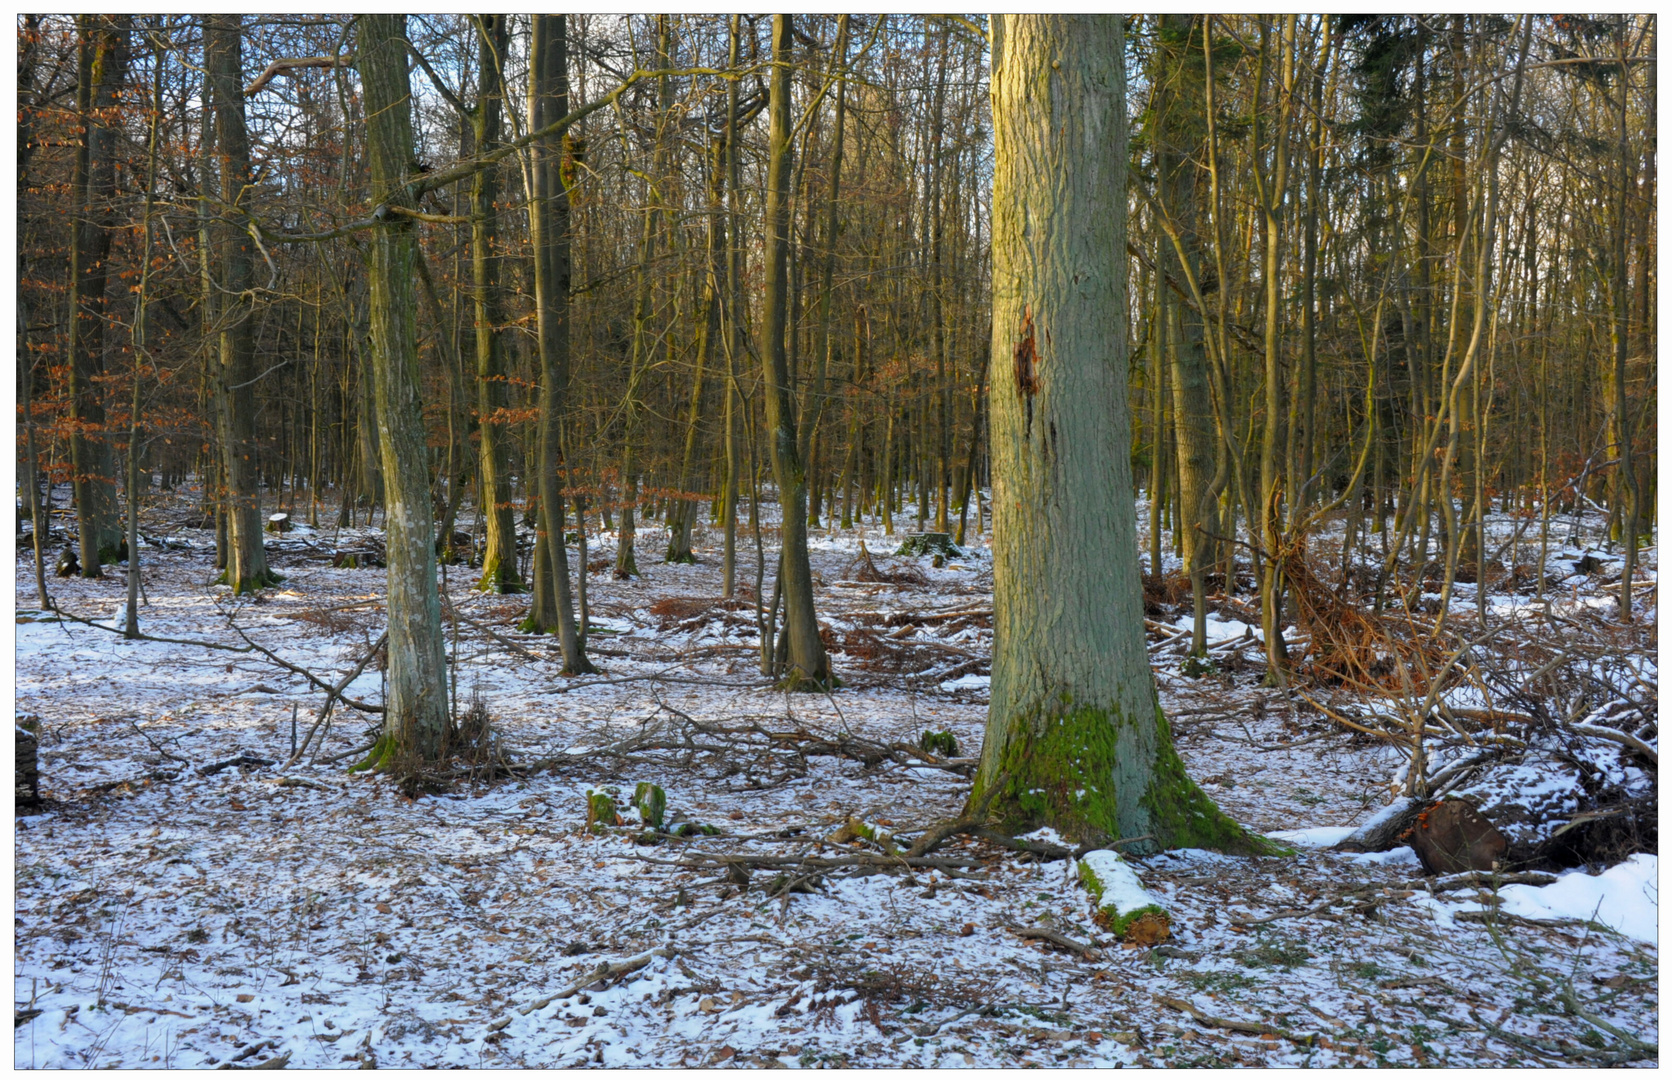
[(652, 804), (600, 811), (940, 743), (930, 543)]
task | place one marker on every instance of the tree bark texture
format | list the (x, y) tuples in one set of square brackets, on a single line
[(549, 229), (416, 721), (499, 559), (1075, 735), (102, 56), (808, 664), (246, 566)]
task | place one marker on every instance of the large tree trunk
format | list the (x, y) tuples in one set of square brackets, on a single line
[(415, 723), (499, 559), (809, 667), (549, 228), (1075, 735), (102, 55), (246, 567)]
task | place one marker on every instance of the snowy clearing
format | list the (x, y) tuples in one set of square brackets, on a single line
[(167, 918)]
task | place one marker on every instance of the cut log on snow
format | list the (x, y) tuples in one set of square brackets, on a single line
[(28, 778), (1124, 906), (1382, 830)]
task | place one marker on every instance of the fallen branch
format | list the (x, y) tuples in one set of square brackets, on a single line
[(1567, 1051), (155, 745), (606, 970), (814, 862), (1481, 879), (301, 781), (1641, 748), (1244, 1026), (454, 612), (1039, 933), (241, 759), (306, 674)]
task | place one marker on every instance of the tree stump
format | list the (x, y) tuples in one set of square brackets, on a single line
[(1452, 836), (278, 523), (931, 543)]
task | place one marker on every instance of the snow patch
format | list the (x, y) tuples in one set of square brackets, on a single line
[(1322, 836), (1625, 897), (968, 682)]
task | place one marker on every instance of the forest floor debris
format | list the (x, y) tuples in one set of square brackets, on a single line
[(184, 898)]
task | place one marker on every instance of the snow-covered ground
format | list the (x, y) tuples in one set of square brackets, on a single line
[(165, 918)]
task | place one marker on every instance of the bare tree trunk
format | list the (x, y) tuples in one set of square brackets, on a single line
[(416, 721), (1200, 478), (733, 320), (246, 568), (499, 557), (684, 512), (809, 667), (102, 56), (1075, 735), (130, 629), (29, 43), (1619, 294), (626, 564), (548, 216)]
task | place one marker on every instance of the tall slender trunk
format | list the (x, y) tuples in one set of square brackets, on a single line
[(499, 556), (684, 512), (246, 567), (1202, 466), (809, 667), (102, 58), (626, 565), (733, 319), (936, 215), (1272, 185), (416, 721), (548, 218), (1619, 295), (130, 628), (29, 42)]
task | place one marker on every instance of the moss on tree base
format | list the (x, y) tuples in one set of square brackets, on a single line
[(265, 580), (1077, 771), (378, 758), (797, 682)]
